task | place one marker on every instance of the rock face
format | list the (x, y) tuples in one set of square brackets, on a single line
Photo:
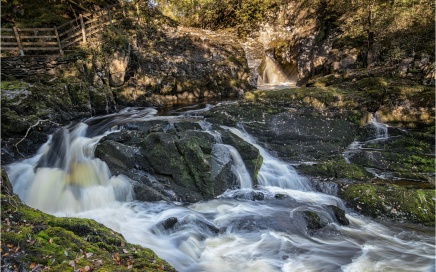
[(39, 104), (171, 65), (187, 164)]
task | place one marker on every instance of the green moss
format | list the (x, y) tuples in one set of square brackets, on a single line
[(30, 238), (13, 85), (336, 169), (392, 201)]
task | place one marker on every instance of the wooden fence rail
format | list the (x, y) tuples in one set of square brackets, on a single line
[(57, 39)]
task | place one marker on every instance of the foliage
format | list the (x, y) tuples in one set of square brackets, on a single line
[(399, 27), (39, 13), (114, 39), (220, 14)]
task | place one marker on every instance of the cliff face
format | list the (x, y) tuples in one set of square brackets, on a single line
[(175, 64)]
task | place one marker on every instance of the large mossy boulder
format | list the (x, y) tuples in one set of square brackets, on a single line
[(34, 241), (177, 161), (391, 202)]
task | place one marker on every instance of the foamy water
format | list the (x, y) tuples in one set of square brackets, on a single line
[(229, 233)]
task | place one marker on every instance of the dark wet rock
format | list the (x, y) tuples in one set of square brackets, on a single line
[(127, 137), (313, 221), (119, 157), (203, 227), (294, 134), (184, 126), (259, 196), (281, 196), (169, 222), (297, 136), (221, 169), (6, 186), (147, 188), (281, 221), (13, 149), (327, 187), (339, 214), (252, 195)]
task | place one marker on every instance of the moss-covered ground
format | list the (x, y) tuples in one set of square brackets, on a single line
[(34, 241)]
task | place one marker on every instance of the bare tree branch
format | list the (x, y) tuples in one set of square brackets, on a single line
[(27, 133)]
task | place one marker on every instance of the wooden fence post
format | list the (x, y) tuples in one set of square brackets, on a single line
[(83, 28), (124, 9), (109, 15), (59, 41), (17, 36)]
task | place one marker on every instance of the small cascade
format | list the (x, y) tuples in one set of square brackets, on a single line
[(352, 149), (239, 169), (273, 171), (65, 177), (70, 183), (381, 130), (378, 132)]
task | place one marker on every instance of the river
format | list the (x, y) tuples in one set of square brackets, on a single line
[(233, 232)]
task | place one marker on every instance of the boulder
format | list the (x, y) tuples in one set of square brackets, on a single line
[(119, 157), (176, 162), (390, 201)]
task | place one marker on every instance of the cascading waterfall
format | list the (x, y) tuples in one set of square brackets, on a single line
[(241, 171), (273, 171), (229, 233), (273, 77), (72, 183), (380, 134), (381, 130)]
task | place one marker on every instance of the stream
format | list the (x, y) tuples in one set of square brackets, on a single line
[(247, 229)]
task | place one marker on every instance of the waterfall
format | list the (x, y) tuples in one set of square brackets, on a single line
[(273, 77), (240, 170), (273, 171), (72, 183), (381, 130), (65, 177)]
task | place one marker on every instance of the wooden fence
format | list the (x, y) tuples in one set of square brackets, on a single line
[(24, 40)]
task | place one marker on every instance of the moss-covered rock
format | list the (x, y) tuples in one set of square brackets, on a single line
[(392, 202), (337, 169), (33, 240), (58, 100)]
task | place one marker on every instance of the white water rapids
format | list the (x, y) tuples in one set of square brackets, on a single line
[(65, 179)]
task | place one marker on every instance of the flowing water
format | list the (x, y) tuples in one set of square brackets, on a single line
[(273, 77), (230, 233)]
